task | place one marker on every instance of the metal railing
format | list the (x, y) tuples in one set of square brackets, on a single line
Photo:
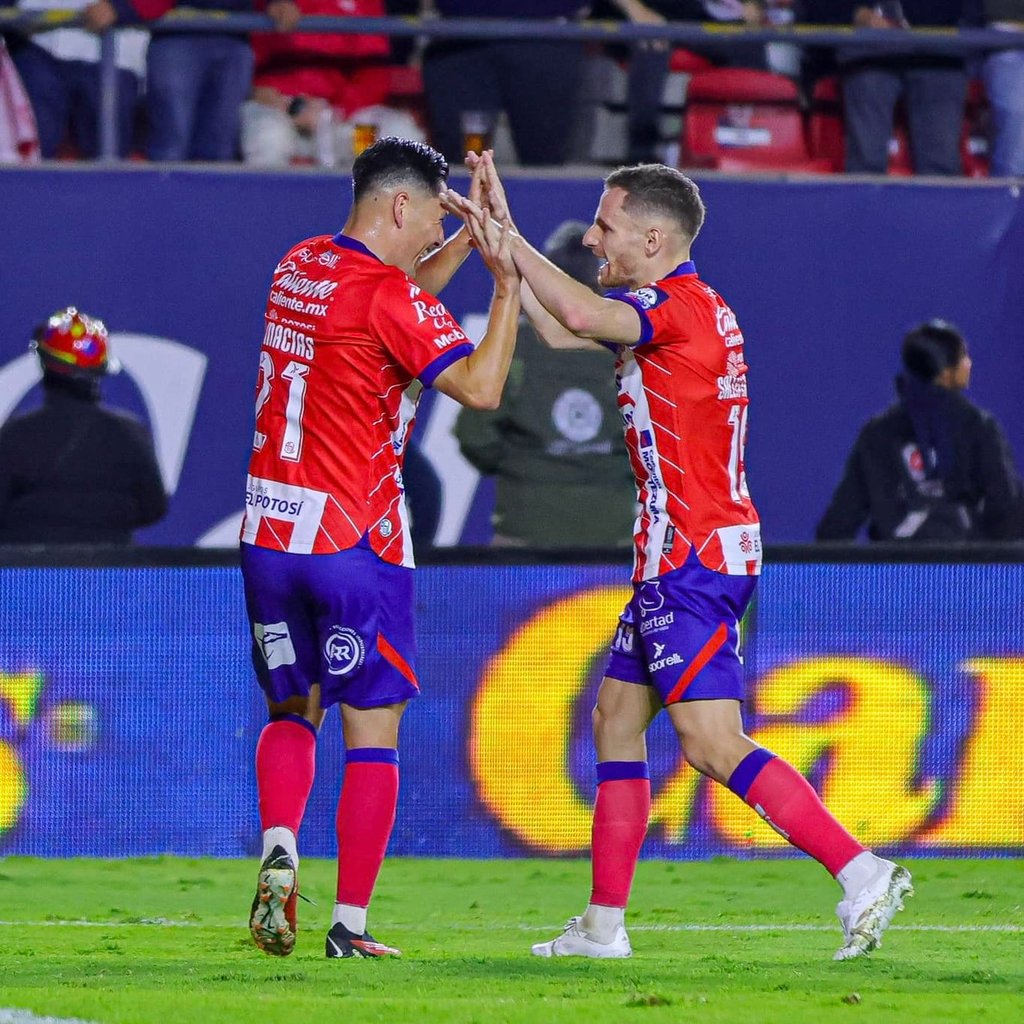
[(705, 36)]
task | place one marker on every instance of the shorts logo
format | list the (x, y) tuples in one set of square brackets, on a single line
[(659, 663), (344, 651), (275, 643), (657, 623), (651, 598), (658, 649)]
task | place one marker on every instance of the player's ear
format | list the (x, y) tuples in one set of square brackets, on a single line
[(399, 207), (653, 241)]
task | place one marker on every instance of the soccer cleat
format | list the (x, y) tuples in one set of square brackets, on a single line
[(574, 941), (272, 922), (342, 943), (865, 917)]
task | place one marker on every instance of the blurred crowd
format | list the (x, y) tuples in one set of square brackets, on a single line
[(286, 97)]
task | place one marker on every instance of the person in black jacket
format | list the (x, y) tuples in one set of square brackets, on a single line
[(74, 472), (933, 466)]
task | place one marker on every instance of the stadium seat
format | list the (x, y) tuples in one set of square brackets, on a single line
[(825, 131), (742, 120), (686, 62)]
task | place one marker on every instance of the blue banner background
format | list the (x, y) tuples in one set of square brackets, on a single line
[(825, 277), (163, 762)]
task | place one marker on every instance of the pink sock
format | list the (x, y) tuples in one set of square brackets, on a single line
[(285, 765), (788, 802), (620, 824), (366, 815)]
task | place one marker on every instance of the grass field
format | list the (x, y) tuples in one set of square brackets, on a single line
[(164, 940)]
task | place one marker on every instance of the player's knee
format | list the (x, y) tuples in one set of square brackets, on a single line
[(708, 754), (612, 727)]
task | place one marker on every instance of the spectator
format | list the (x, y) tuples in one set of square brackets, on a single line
[(933, 466), (555, 443), (61, 73), (1004, 83), (535, 81), (195, 82), (19, 139), (310, 90), (933, 86), (75, 472)]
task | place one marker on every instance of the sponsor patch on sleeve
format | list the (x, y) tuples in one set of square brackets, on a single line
[(649, 297)]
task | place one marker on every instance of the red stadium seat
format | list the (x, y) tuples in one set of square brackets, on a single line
[(974, 144), (742, 120), (825, 123), (687, 62)]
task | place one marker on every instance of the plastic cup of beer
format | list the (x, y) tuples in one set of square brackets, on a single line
[(364, 135), (477, 128)]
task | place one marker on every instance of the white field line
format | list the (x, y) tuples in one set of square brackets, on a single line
[(27, 1017), (475, 926)]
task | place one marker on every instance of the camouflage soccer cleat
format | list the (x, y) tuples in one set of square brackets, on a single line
[(865, 917), (273, 921), (341, 944)]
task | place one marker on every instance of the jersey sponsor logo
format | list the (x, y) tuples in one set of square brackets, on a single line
[(733, 383), (653, 477), (669, 541), (648, 298), (298, 305), (344, 651), (296, 281), (657, 623), (258, 496), (725, 321), (436, 312), (386, 528), (444, 340), (275, 643), (289, 341)]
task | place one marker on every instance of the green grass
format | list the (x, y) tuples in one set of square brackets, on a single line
[(93, 940)]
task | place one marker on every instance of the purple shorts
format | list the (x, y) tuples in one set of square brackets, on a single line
[(344, 621), (680, 634)]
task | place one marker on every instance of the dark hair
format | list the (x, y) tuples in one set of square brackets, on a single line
[(932, 347), (391, 162), (655, 188), (565, 249)]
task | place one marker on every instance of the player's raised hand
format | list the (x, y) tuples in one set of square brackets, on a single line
[(494, 191)]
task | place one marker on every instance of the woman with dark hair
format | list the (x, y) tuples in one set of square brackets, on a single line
[(933, 466)]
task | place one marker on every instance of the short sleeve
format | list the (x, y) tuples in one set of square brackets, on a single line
[(654, 308), (417, 330)]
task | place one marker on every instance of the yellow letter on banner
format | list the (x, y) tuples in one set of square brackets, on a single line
[(872, 749), (988, 796), (521, 720), (19, 693)]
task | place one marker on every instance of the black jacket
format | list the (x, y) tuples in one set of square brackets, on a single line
[(886, 486), (73, 472)]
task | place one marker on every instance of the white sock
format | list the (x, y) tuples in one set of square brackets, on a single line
[(601, 923), (280, 836), (353, 918), (861, 871)]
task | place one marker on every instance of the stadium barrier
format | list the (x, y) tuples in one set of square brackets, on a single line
[(129, 714), (708, 36)]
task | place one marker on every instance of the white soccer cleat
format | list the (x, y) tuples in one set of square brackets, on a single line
[(574, 941), (865, 917)]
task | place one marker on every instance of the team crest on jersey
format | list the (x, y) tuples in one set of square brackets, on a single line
[(344, 651), (649, 297)]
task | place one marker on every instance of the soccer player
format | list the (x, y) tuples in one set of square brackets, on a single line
[(682, 383), (352, 335)]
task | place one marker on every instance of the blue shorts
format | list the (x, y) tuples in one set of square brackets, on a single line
[(680, 634), (344, 621)]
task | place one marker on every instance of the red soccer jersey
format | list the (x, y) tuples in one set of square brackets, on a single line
[(346, 337), (683, 399)]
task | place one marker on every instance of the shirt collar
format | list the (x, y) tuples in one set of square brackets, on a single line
[(344, 242), (689, 267)]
